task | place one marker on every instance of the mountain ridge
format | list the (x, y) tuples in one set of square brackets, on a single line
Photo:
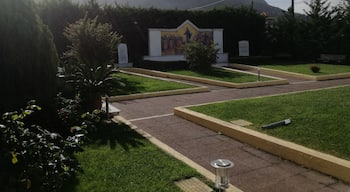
[(260, 5)]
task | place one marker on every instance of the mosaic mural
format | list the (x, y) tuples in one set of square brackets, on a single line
[(173, 41)]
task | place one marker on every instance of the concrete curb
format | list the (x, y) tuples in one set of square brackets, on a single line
[(193, 185), (291, 74), (207, 174), (159, 94), (196, 89), (307, 157), (208, 81)]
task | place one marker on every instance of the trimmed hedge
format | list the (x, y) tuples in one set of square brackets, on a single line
[(133, 24)]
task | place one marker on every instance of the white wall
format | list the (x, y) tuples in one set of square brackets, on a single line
[(218, 39), (155, 46), (155, 43)]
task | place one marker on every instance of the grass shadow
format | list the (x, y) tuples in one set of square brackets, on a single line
[(107, 134), (114, 134), (215, 72), (129, 87), (219, 73), (70, 184)]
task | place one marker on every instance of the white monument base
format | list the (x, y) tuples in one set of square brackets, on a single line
[(111, 109), (165, 58), (222, 58), (124, 65)]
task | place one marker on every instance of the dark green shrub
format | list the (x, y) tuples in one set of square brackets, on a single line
[(71, 115), (28, 58), (57, 14), (252, 60), (68, 112), (33, 158), (199, 56), (133, 24), (315, 68)]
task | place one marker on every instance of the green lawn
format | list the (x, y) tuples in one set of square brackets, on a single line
[(119, 159), (221, 75), (139, 84), (326, 69), (319, 118)]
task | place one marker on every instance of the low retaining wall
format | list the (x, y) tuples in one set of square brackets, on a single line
[(291, 74), (208, 81), (307, 157), (158, 94)]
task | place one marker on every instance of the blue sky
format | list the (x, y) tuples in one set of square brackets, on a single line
[(299, 4)]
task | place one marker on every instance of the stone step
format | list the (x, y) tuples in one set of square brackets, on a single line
[(113, 111)]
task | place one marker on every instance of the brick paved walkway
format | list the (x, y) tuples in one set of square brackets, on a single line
[(254, 170)]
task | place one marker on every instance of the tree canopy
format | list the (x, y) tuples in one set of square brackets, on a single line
[(324, 29)]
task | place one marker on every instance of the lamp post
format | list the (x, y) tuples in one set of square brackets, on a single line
[(222, 180)]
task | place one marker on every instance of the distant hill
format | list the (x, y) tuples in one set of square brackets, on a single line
[(259, 5)]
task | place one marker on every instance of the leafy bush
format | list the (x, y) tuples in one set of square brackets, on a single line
[(71, 115), (92, 43), (68, 112), (199, 56), (33, 158)]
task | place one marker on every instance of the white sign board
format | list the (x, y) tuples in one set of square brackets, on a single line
[(122, 54), (243, 47)]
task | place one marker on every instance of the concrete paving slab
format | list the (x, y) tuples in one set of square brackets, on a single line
[(193, 185), (241, 122)]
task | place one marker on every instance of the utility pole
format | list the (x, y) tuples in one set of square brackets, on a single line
[(292, 32)]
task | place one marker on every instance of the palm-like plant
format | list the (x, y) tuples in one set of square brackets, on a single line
[(93, 83), (91, 59)]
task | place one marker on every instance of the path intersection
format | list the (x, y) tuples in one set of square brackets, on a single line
[(254, 170)]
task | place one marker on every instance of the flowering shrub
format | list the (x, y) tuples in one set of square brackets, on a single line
[(33, 158)]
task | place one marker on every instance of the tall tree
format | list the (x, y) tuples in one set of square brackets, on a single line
[(344, 14), (317, 28), (57, 14), (28, 58), (283, 34)]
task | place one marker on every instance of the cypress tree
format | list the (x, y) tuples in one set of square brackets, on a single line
[(28, 57)]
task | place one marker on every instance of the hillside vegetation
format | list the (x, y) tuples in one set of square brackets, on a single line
[(259, 5)]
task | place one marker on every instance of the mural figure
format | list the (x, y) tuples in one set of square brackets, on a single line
[(188, 35)]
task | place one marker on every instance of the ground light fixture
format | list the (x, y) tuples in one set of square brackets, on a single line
[(277, 124), (222, 180)]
